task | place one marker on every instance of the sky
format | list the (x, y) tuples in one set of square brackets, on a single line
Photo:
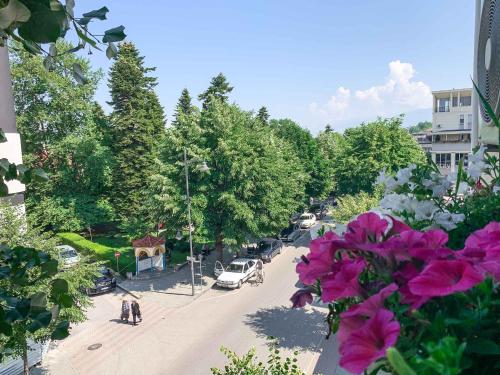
[(316, 62)]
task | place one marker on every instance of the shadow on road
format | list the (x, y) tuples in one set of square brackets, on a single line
[(294, 328)]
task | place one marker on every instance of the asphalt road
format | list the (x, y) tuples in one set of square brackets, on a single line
[(186, 340)]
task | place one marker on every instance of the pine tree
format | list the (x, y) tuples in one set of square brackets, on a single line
[(184, 106), (137, 128), (263, 115), (219, 88)]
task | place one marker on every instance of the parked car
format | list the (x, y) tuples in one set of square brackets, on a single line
[(68, 256), (294, 218), (236, 273), (319, 210), (290, 234), (105, 282), (266, 249), (307, 220)]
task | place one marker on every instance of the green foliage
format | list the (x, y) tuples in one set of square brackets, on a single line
[(103, 248), (350, 206), (263, 115), (248, 363), (137, 128), (421, 126), (218, 89), (309, 154), (369, 148), (440, 358)]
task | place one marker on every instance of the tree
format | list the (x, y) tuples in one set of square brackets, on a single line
[(255, 181), (38, 301), (263, 115), (184, 105), (306, 148), (137, 129), (421, 126), (369, 148), (219, 88)]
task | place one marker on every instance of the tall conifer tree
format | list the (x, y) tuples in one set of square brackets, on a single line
[(219, 88), (137, 128)]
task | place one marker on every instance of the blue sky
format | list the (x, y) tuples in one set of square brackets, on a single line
[(316, 62)]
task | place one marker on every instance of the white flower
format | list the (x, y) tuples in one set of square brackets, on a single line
[(476, 169), (412, 185), (463, 188), (447, 220), (478, 155), (425, 210), (403, 176), (388, 181), (381, 177), (399, 203)]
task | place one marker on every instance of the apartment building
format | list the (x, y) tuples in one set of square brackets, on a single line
[(451, 128)]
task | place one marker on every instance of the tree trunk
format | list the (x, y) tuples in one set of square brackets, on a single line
[(90, 232), (219, 247), (26, 366)]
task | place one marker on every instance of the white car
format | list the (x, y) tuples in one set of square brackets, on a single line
[(67, 256), (307, 220), (238, 271)]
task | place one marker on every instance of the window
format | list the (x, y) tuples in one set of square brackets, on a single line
[(443, 105), (443, 160), (461, 156), (465, 101), (469, 121), (462, 122), (455, 101)]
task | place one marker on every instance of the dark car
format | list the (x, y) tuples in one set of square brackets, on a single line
[(105, 282), (320, 210), (266, 249), (290, 234)]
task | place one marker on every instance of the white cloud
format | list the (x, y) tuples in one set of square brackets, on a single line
[(399, 93)]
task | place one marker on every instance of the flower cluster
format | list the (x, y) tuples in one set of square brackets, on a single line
[(380, 262)]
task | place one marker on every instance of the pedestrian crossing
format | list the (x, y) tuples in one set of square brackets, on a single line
[(113, 335)]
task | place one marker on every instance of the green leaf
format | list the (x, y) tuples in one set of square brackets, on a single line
[(15, 11), (31, 47), (115, 34), (59, 287), (24, 173), (61, 331), (50, 267), (3, 138), (483, 346), (398, 363), (487, 106), (39, 174), (4, 190), (65, 300), (111, 51), (100, 14), (45, 24), (85, 38), (78, 74), (38, 301), (4, 166), (5, 328)]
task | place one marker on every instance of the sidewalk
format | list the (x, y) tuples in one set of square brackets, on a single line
[(173, 289)]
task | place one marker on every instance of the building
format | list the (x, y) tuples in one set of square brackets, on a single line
[(11, 150), (424, 139), (451, 128)]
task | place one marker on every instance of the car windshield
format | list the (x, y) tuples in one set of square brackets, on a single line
[(70, 253), (238, 268), (264, 245), (305, 217)]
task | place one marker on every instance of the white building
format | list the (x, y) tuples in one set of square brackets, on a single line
[(11, 150), (451, 128)]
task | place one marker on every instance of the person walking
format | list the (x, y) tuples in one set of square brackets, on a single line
[(136, 312), (125, 311)]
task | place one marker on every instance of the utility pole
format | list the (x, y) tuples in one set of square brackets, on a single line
[(189, 221)]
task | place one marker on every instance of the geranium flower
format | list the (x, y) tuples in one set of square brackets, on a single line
[(397, 226), (320, 259), (369, 343), (343, 282), (301, 298), (444, 277), (368, 227), (357, 315)]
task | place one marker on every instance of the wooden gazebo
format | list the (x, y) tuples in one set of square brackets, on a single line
[(149, 254)]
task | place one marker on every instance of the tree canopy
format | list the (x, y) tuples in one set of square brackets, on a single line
[(419, 127)]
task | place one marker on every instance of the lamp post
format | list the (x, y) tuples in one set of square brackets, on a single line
[(203, 168)]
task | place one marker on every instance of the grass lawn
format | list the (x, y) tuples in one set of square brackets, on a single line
[(104, 248)]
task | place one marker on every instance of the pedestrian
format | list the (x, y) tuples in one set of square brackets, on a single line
[(125, 311), (136, 312)]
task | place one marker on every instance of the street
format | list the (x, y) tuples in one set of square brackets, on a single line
[(186, 339)]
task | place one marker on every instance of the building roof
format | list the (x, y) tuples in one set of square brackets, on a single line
[(148, 241), (450, 90)]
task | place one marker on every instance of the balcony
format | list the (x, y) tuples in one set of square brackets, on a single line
[(445, 108)]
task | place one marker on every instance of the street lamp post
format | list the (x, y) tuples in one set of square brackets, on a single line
[(202, 168), (189, 221)]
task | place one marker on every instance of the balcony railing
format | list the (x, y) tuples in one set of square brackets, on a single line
[(445, 108)]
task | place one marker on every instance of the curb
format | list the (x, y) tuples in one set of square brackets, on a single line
[(128, 291)]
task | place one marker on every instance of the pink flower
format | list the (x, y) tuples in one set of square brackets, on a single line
[(343, 281), (368, 227), (301, 298), (487, 261), (433, 246), (370, 342), (402, 277), (357, 315), (397, 227), (320, 259), (444, 277), (485, 238)]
